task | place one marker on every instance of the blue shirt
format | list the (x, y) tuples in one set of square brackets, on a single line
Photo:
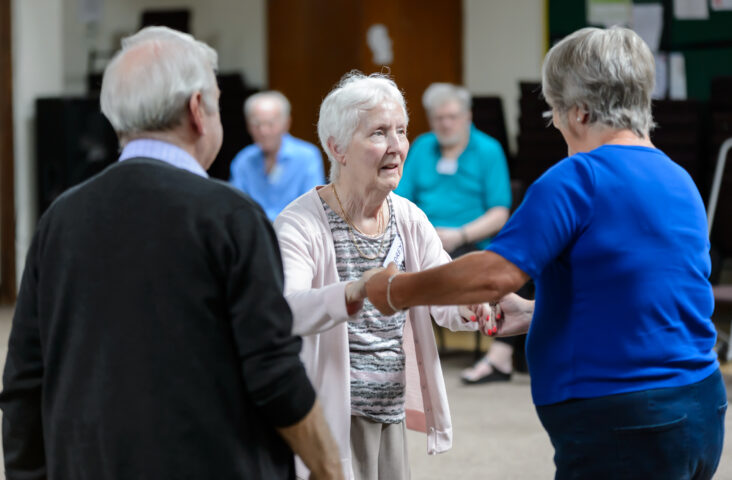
[(299, 168), (616, 242), (480, 182), (163, 151)]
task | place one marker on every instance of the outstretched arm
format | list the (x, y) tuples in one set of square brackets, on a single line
[(473, 278)]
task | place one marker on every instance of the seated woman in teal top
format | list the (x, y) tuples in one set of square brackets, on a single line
[(620, 341)]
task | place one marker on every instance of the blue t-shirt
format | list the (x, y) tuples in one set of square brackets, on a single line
[(451, 200), (616, 242), (298, 169)]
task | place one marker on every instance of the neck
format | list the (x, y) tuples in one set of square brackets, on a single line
[(595, 136), (174, 137), (362, 209), (456, 149)]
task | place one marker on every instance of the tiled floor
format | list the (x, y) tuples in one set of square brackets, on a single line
[(497, 434)]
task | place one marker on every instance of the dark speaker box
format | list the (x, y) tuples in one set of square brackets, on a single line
[(74, 141)]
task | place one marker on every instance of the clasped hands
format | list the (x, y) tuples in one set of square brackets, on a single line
[(488, 315)]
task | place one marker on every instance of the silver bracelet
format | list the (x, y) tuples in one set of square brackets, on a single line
[(388, 293)]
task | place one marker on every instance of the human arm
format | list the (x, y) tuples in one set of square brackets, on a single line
[(273, 375), (311, 440), (485, 226), (20, 400), (476, 277), (315, 308), (424, 241)]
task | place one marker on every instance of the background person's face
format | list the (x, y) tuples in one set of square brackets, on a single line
[(267, 125), (450, 123)]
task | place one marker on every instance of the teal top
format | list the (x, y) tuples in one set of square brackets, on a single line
[(451, 200)]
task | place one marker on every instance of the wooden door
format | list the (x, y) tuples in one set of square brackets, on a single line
[(7, 203), (312, 43)]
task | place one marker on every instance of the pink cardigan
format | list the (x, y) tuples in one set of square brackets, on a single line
[(316, 297)]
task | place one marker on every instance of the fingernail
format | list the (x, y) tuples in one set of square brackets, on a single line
[(495, 330), (472, 318), (498, 315)]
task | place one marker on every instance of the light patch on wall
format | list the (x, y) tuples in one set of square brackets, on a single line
[(378, 40)]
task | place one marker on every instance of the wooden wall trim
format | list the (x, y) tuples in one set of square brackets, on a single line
[(7, 160)]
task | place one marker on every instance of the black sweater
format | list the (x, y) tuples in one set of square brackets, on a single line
[(151, 339)]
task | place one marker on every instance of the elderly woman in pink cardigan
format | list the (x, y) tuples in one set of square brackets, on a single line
[(376, 375)]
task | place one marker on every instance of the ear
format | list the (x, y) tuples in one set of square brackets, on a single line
[(582, 114), (195, 108), (288, 122), (335, 150)]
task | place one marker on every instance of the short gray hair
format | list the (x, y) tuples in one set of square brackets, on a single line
[(153, 95), (268, 95), (610, 72), (343, 109), (438, 94)]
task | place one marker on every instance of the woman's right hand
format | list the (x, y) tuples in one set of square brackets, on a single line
[(356, 291), (512, 316)]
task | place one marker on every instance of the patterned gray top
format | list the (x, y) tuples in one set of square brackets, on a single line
[(375, 341)]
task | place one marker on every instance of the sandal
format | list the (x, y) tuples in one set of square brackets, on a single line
[(494, 375)]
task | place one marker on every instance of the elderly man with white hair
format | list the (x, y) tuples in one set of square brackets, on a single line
[(458, 176), (277, 168), (151, 338)]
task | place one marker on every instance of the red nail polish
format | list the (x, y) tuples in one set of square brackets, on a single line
[(498, 315), (472, 318), (495, 330)]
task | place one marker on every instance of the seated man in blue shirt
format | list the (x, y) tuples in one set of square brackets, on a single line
[(278, 167), (459, 177)]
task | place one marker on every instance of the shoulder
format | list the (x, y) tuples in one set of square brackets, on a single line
[(300, 145), (426, 140), (407, 211), (483, 141), (574, 171), (247, 154), (302, 213)]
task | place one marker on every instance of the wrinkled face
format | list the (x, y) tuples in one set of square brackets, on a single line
[(450, 123), (375, 156), (214, 132), (267, 124)]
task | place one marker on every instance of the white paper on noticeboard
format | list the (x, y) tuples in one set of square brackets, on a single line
[(721, 4), (677, 76), (609, 12), (648, 23), (691, 9)]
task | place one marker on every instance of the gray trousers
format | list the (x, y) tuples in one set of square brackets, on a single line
[(379, 450)]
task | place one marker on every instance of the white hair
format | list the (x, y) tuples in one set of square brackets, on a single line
[(268, 95), (344, 107), (609, 72), (148, 96), (438, 94)]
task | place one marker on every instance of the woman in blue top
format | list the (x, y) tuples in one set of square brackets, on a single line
[(615, 237)]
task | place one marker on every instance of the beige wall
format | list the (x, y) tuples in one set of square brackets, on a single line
[(504, 43), (235, 28)]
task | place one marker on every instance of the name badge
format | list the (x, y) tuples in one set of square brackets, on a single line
[(396, 254), (447, 166)]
